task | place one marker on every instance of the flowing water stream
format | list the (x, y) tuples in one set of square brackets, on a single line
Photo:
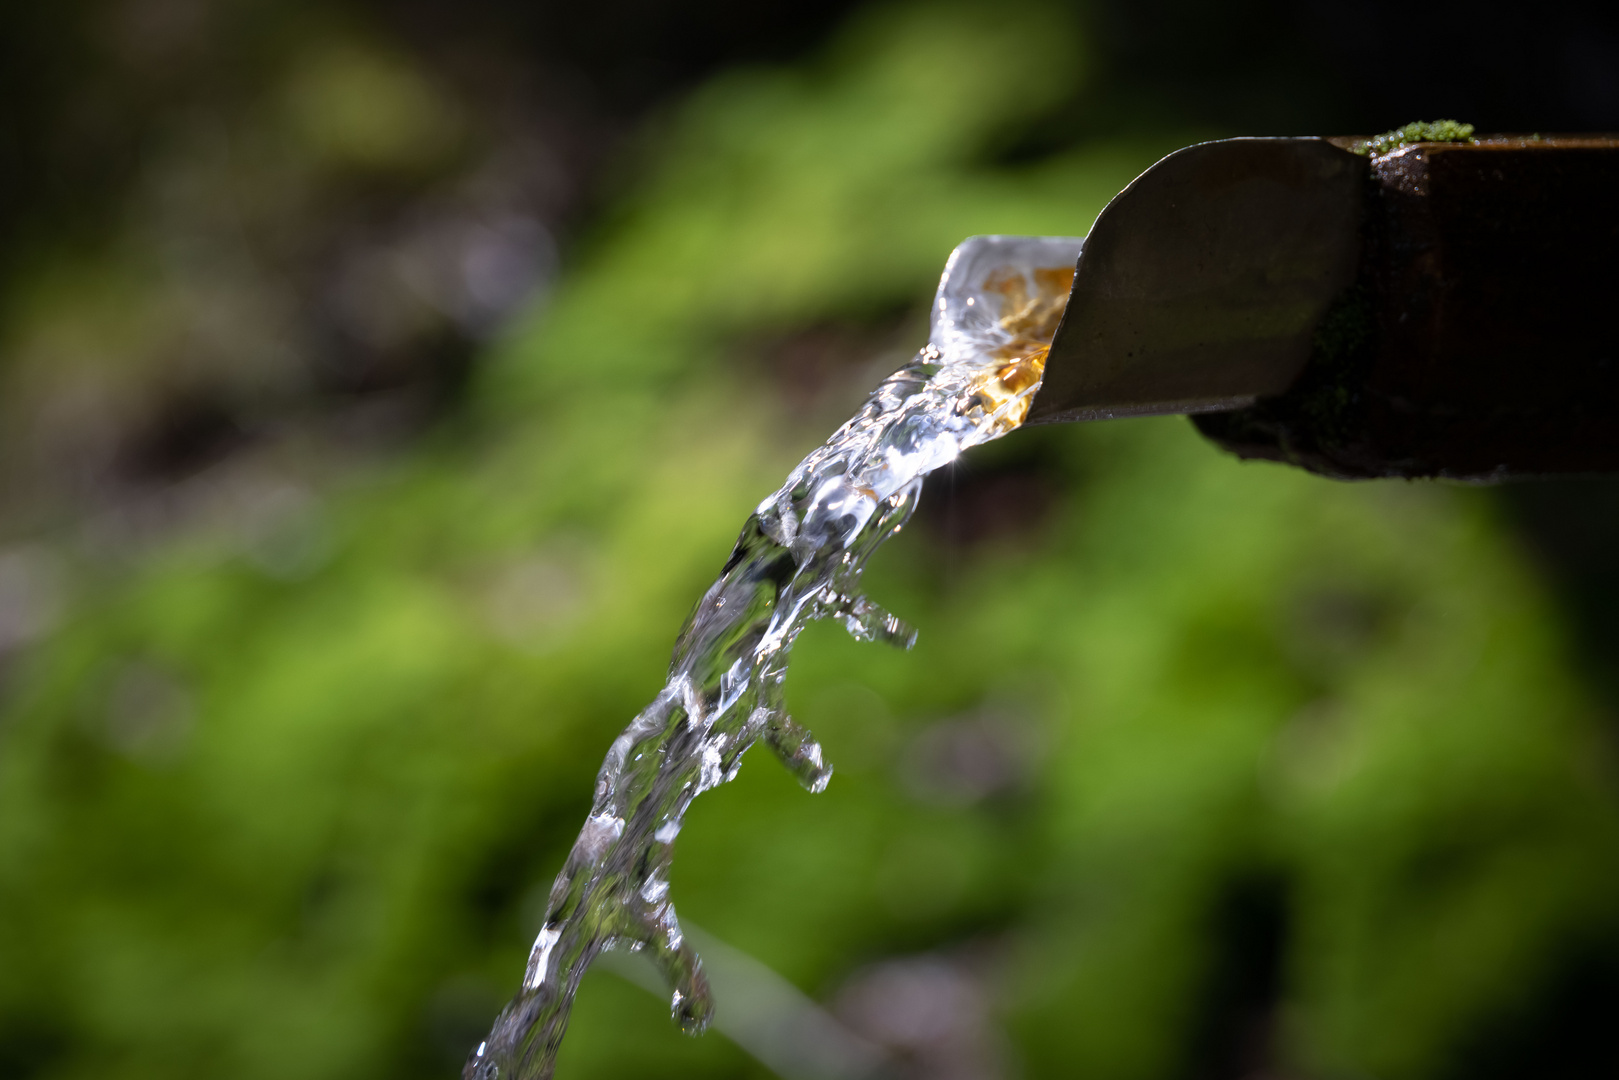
[(799, 558)]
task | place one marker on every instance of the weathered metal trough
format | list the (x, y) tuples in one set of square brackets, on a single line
[(1436, 309)]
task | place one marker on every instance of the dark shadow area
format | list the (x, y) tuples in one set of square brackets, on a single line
[(1571, 528), (30, 1046), (1235, 1034), (1359, 66), (1568, 1033), (1000, 494)]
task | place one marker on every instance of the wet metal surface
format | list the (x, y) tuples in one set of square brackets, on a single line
[(1479, 342), (1202, 282), (1443, 309)]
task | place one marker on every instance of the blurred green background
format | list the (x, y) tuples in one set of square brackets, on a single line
[(383, 382)]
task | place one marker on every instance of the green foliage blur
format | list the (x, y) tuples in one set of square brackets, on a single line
[(1292, 778)]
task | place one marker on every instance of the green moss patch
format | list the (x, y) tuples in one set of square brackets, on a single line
[(1415, 132)]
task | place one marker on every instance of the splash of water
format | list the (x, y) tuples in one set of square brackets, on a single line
[(799, 558)]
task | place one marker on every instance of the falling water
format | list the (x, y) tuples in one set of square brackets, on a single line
[(799, 558)]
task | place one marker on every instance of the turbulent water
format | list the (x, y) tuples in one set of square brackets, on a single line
[(799, 558)]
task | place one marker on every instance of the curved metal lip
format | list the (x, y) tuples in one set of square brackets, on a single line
[(1187, 407), (1201, 283)]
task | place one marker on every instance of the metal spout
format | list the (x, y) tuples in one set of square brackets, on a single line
[(1442, 309)]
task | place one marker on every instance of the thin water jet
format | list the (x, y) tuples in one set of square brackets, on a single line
[(799, 558)]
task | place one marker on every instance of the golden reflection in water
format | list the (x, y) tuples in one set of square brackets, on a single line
[(1032, 321)]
